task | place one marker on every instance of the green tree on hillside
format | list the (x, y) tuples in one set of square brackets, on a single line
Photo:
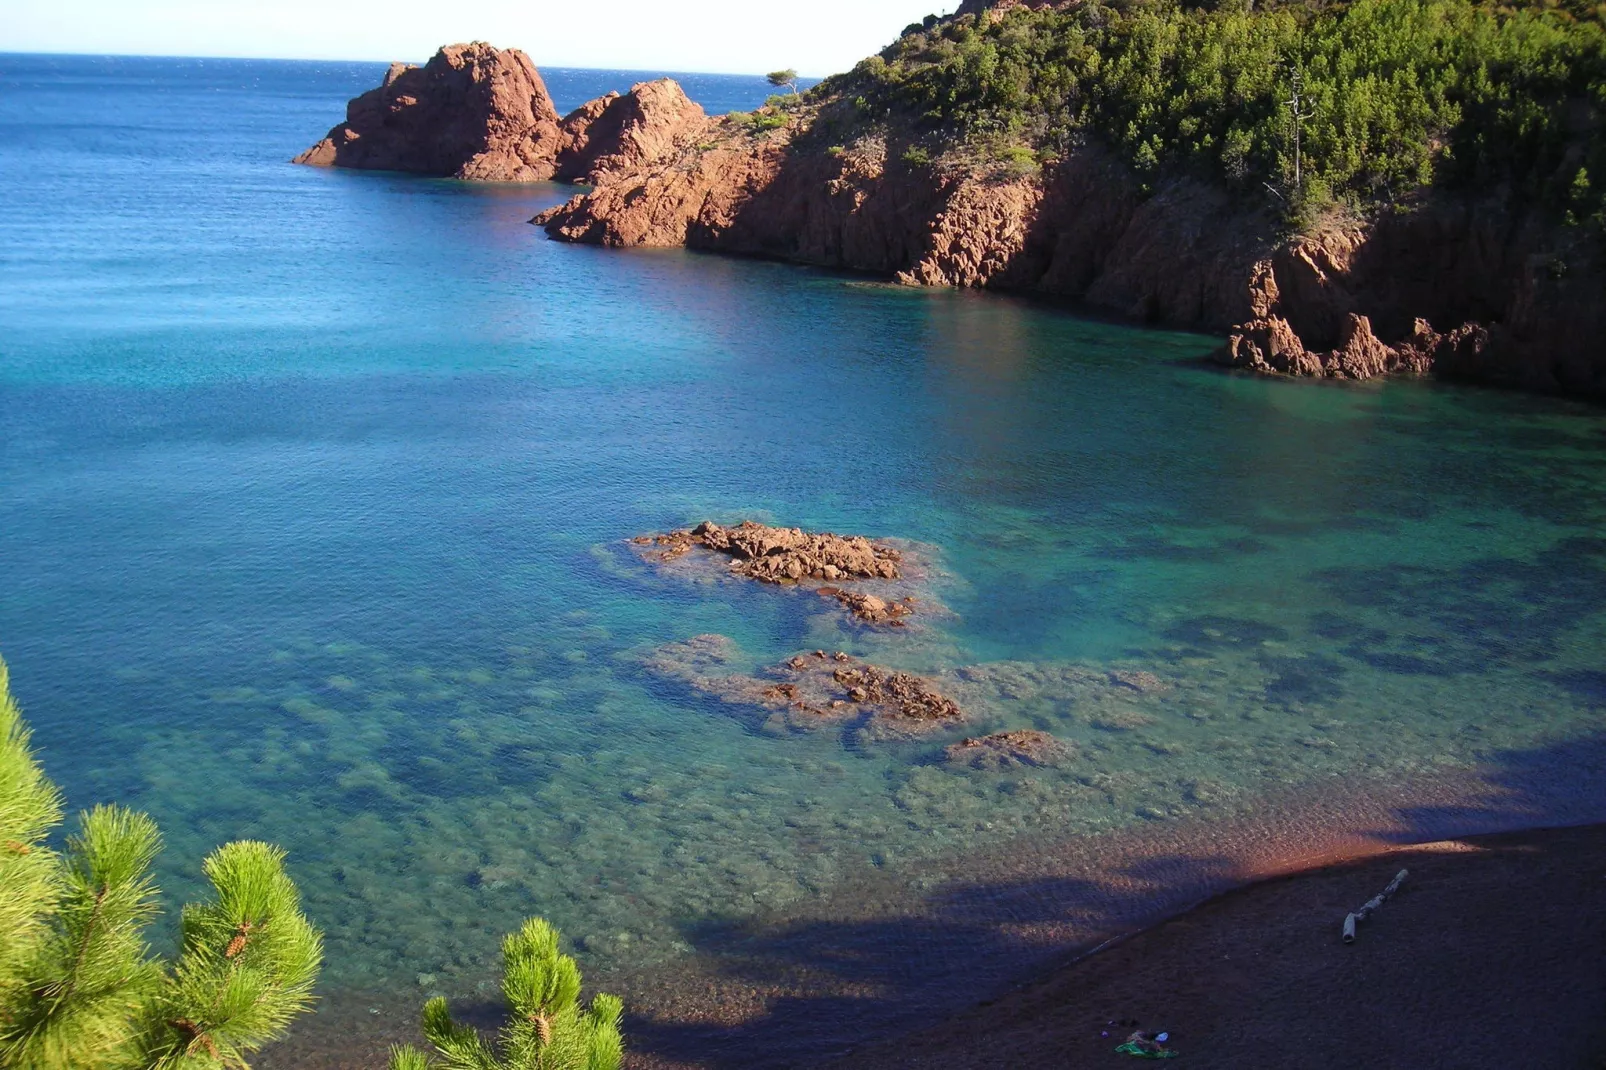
[(547, 1030), (1392, 95), (786, 79), (79, 986)]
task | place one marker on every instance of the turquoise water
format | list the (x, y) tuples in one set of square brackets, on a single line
[(316, 488)]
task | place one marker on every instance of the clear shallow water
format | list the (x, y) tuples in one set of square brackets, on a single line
[(315, 486)]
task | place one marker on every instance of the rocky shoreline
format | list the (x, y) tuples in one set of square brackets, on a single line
[(1480, 290), (1466, 290)]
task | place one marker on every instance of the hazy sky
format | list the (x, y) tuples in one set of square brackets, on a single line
[(817, 37)]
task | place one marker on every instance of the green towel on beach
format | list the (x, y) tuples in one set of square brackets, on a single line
[(1130, 1048)]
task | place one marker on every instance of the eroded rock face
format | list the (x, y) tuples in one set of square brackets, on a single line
[(811, 691), (472, 112), (616, 134), (1009, 750)]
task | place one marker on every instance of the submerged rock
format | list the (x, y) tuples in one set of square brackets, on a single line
[(811, 690), (1138, 680), (1006, 750)]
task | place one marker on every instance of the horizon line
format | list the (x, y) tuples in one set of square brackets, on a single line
[(333, 59)]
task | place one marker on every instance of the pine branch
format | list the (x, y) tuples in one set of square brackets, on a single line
[(248, 965), (78, 987), (30, 806), (87, 980), (547, 1028)]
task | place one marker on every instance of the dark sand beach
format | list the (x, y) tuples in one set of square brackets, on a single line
[(1493, 954)]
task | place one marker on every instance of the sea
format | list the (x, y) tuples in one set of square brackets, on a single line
[(316, 498)]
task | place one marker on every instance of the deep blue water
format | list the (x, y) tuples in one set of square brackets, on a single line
[(314, 488)]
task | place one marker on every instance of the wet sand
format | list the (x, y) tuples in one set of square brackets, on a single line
[(1493, 954)]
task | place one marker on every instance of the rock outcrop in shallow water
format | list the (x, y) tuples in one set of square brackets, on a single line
[(481, 113), (794, 556), (783, 555), (1008, 750), (870, 608), (1466, 288), (811, 691)]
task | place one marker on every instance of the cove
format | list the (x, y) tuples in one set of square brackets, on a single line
[(317, 490)]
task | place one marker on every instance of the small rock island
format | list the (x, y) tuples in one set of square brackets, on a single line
[(483, 114)]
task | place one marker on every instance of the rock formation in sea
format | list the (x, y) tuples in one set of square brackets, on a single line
[(792, 557), (782, 555), (619, 134), (1473, 284), (481, 113), (473, 111)]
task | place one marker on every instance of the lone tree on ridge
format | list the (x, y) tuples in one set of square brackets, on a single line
[(786, 79)]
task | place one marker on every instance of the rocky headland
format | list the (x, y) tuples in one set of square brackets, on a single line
[(481, 113), (1471, 281)]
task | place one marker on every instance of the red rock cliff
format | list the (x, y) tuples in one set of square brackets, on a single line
[(1472, 290)]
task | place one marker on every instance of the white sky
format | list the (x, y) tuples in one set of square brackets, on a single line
[(817, 37)]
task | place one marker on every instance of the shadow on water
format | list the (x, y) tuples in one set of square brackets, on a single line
[(829, 984)]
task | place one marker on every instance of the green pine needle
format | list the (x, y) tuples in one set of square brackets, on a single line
[(79, 989), (547, 1029)]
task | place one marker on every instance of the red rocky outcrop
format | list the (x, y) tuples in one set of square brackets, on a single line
[(782, 555), (481, 113), (811, 691), (616, 135), (473, 112), (1009, 750)]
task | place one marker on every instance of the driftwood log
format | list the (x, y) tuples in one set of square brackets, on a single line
[(1350, 921)]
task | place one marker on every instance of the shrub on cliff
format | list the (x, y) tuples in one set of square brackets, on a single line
[(79, 987), (1364, 102), (547, 1028)]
